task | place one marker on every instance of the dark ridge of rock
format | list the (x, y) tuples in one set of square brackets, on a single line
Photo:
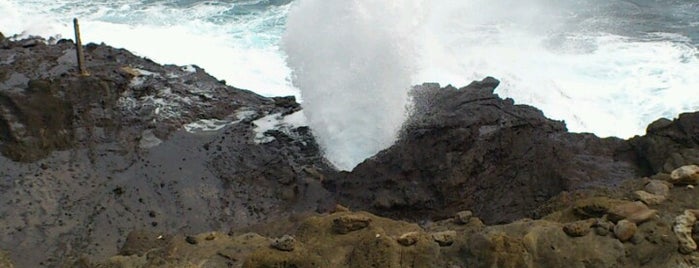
[(668, 144), (137, 145), (468, 149)]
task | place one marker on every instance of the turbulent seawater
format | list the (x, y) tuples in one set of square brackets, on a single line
[(604, 66)]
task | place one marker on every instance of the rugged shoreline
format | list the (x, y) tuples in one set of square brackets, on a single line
[(137, 158)]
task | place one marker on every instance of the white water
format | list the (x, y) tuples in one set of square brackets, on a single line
[(241, 50), (354, 59), (597, 82)]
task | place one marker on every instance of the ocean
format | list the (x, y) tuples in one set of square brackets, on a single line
[(606, 67)]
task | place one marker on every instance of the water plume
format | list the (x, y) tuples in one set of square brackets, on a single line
[(353, 62)]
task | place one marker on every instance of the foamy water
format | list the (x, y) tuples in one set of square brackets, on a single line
[(239, 48), (607, 67)]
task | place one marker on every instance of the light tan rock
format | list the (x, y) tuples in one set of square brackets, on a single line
[(339, 208), (603, 227), (624, 230), (578, 228), (463, 217), (683, 230), (658, 187), (685, 175), (349, 223), (648, 198), (635, 212), (5, 260), (408, 239), (445, 238), (284, 243)]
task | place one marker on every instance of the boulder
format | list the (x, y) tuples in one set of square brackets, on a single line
[(624, 230), (463, 217), (685, 175), (350, 223), (603, 227), (445, 238), (408, 239), (635, 212), (683, 230), (578, 228), (668, 144), (648, 198), (284, 243), (658, 187)]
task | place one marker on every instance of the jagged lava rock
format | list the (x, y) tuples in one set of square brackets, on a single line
[(469, 149), (669, 144), (138, 145)]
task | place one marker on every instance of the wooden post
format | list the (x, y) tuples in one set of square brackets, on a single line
[(79, 49)]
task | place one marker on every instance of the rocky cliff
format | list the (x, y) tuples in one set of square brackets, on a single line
[(86, 159), (467, 148), (165, 166)]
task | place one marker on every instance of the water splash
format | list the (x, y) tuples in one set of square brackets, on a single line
[(353, 62)]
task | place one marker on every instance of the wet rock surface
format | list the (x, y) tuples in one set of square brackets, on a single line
[(136, 145)]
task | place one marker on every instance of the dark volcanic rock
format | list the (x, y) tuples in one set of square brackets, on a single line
[(469, 149), (668, 144), (137, 145)]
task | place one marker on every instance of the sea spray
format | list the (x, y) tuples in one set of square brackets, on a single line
[(353, 62)]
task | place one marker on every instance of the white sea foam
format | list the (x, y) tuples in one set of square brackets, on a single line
[(597, 82), (238, 51), (277, 121)]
